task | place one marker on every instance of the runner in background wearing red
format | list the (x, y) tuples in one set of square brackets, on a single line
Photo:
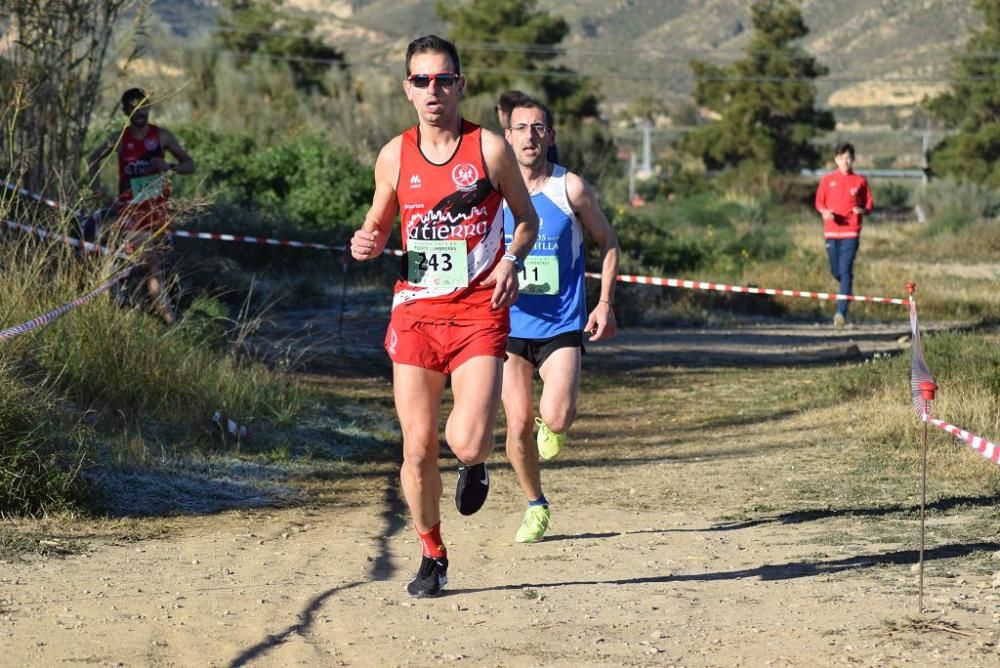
[(141, 208)]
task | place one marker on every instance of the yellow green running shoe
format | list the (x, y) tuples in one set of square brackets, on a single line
[(533, 526), (549, 442)]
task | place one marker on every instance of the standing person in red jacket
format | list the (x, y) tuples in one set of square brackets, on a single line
[(447, 178), (843, 198)]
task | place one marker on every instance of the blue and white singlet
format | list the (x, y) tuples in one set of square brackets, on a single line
[(552, 299)]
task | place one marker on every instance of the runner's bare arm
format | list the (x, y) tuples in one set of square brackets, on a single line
[(185, 163), (507, 179), (94, 163), (502, 167), (601, 324), (370, 239)]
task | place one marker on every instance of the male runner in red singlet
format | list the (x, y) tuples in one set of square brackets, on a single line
[(143, 189), (450, 311)]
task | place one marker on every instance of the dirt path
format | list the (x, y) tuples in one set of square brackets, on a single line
[(676, 540)]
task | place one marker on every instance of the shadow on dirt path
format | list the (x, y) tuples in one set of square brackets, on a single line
[(393, 520), (768, 572), (323, 341)]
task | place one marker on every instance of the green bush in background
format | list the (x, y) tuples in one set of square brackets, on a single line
[(890, 194), (953, 204), (304, 187)]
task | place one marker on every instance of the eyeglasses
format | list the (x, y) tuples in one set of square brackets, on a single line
[(444, 79), (536, 128)]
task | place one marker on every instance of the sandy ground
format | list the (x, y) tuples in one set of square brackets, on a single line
[(644, 564)]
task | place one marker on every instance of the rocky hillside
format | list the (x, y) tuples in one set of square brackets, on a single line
[(643, 47)]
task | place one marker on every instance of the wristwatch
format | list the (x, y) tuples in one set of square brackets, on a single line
[(518, 262)]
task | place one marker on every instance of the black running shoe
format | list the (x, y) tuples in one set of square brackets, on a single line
[(430, 579), (473, 486)]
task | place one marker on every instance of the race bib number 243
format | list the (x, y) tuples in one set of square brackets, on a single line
[(437, 264)]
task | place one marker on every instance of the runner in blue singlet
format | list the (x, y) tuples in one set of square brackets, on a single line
[(550, 317)]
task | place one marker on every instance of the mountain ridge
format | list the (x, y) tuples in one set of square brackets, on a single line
[(881, 53)]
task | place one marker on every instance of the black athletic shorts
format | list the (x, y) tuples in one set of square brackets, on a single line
[(537, 351)]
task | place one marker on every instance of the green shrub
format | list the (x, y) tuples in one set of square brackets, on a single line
[(706, 211), (319, 188), (795, 192), (305, 186), (970, 154), (648, 244), (889, 194), (884, 161), (951, 205), (759, 243), (41, 448)]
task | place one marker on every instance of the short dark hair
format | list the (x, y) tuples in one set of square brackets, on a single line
[(844, 147), (509, 99), (133, 95), (432, 44), (527, 102)]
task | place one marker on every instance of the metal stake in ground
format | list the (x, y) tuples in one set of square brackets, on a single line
[(344, 259), (927, 389)]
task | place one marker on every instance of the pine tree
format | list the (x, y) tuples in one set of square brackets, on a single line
[(262, 28), (503, 42), (973, 106), (766, 101)]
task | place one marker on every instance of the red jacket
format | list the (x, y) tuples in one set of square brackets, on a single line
[(840, 193)]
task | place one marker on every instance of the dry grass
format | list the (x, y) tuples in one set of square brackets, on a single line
[(107, 384), (778, 443), (950, 285)]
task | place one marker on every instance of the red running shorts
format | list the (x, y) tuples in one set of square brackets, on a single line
[(442, 346)]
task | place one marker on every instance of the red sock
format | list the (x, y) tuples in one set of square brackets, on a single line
[(431, 543)]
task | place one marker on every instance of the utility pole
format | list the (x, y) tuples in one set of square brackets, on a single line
[(631, 176), (926, 149), (647, 148)]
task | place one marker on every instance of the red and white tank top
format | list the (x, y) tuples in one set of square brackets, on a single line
[(452, 225), (137, 182)]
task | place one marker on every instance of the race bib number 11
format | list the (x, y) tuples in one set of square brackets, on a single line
[(437, 264), (540, 275)]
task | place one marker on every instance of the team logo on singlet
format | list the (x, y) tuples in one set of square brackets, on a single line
[(415, 181), (150, 143), (465, 176)]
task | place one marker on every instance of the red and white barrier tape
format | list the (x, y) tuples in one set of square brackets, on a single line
[(38, 198), (212, 236), (990, 451), (624, 278), (55, 314), (722, 287), (44, 234)]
